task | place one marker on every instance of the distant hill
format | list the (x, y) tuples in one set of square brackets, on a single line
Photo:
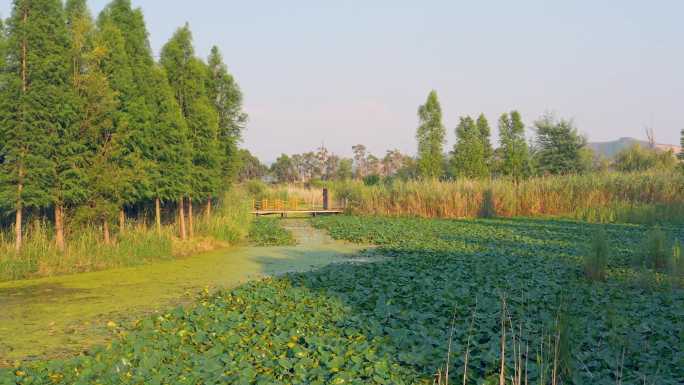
[(610, 149)]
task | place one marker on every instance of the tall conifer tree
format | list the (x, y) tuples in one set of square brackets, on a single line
[(187, 76), (170, 151), (134, 82), (431, 136), (33, 105)]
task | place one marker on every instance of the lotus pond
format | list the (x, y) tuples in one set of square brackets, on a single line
[(445, 291)]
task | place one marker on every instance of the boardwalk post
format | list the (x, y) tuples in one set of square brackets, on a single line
[(325, 199)]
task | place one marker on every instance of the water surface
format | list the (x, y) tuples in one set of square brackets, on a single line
[(61, 316)]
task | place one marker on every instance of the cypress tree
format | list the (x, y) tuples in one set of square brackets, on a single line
[(469, 151), (33, 108), (514, 151), (168, 177), (227, 99), (187, 76), (431, 135), (68, 182), (133, 80), (103, 76)]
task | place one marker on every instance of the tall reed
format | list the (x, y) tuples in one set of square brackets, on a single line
[(611, 197)]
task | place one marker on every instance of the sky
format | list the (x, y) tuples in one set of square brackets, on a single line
[(339, 73)]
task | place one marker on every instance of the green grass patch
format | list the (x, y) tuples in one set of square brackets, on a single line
[(269, 232), (391, 321)]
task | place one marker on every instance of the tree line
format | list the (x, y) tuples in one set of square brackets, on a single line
[(92, 128), (556, 149)]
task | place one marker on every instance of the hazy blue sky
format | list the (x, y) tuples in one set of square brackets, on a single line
[(348, 72)]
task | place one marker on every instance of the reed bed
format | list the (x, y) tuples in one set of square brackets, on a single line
[(610, 197)]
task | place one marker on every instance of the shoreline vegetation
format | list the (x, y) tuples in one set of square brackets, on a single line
[(137, 244), (614, 197)]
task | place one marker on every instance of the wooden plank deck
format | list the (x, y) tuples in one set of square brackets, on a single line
[(284, 213)]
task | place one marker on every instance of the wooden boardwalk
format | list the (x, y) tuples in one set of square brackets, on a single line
[(293, 207), (286, 213)]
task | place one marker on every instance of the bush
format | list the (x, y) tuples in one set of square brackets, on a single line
[(654, 251), (596, 260), (488, 209), (371, 180)]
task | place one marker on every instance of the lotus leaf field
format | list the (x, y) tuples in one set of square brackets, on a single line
[(457, 286)]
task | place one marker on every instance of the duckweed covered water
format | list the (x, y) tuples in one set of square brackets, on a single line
[(61, 316)]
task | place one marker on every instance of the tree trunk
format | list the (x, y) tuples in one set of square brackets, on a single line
[(17, 226), (191, 230), (122, 221), (209, 208), (181, 218), (157, 215), (105, 230), (59, 227), (20, 186)]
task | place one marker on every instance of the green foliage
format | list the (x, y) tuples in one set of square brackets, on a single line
[(470, 154), (388, 321), (269, 232), (169, 151), (250, 166), (488, 209), (35, 105), (514, 152), (138, 245), (655, 251), (187, 76), (485, 135), (371, 180), (637, 158), (596, 259), (559, 146), (227, 99), (284, 170), (345, 169), (431, 136)]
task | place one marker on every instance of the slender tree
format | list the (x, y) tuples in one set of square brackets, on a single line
[(32, 105), (227, 99), (468, 159), (514, 152), (485, 134), (187, 76), (559, 146), (681, 151), (431, 136)]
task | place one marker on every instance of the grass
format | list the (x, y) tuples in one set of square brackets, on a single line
[(645, 198), (596, 260), (139, 244), (492, 296), (268, 232)]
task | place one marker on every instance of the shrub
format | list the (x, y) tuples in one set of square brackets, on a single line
[(488, 209), (371, 180), (677, 262), (654, 250), (596, 260)]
